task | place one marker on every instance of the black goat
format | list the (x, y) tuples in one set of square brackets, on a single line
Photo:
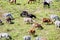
[(25, 14), (31, 16)]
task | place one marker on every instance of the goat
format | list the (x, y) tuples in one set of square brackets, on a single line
[(31, 16), (47, 2), (5, 35), (37, 25), (12, 1), (9, 20), (31, 1), (32, 31), (46, 20), (28, 20), (57, 23), (5, 15), (54, 17), (27, 37), (24, 14)]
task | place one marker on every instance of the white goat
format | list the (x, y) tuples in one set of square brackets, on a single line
[(27, 38), (7, 15), (48, 1), (28, 20), (5, 35), (57, 23), (54, 17)]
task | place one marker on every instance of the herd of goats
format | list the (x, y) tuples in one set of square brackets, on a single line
[(28, 19), (45, 3)]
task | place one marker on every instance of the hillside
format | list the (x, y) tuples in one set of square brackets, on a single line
[(20, 28)]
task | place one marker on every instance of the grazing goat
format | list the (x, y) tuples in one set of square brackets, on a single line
[(5, 15), (57, 23), (12, 1), (37, 25), (24, 14), (32, 31), (9, 20), (31, 16), (47, 2), (28, 20), (47, 20), (5, 35), (31, 1), (27, 37), (54, 17)]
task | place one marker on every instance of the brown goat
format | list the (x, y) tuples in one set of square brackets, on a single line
[(47, 20), (12, 1), (37, 25), (31, 31), (31, 1)]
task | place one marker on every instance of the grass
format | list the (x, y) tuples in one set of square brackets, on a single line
[(19, 28)]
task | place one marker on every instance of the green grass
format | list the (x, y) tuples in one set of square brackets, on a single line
[(19, 28)]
